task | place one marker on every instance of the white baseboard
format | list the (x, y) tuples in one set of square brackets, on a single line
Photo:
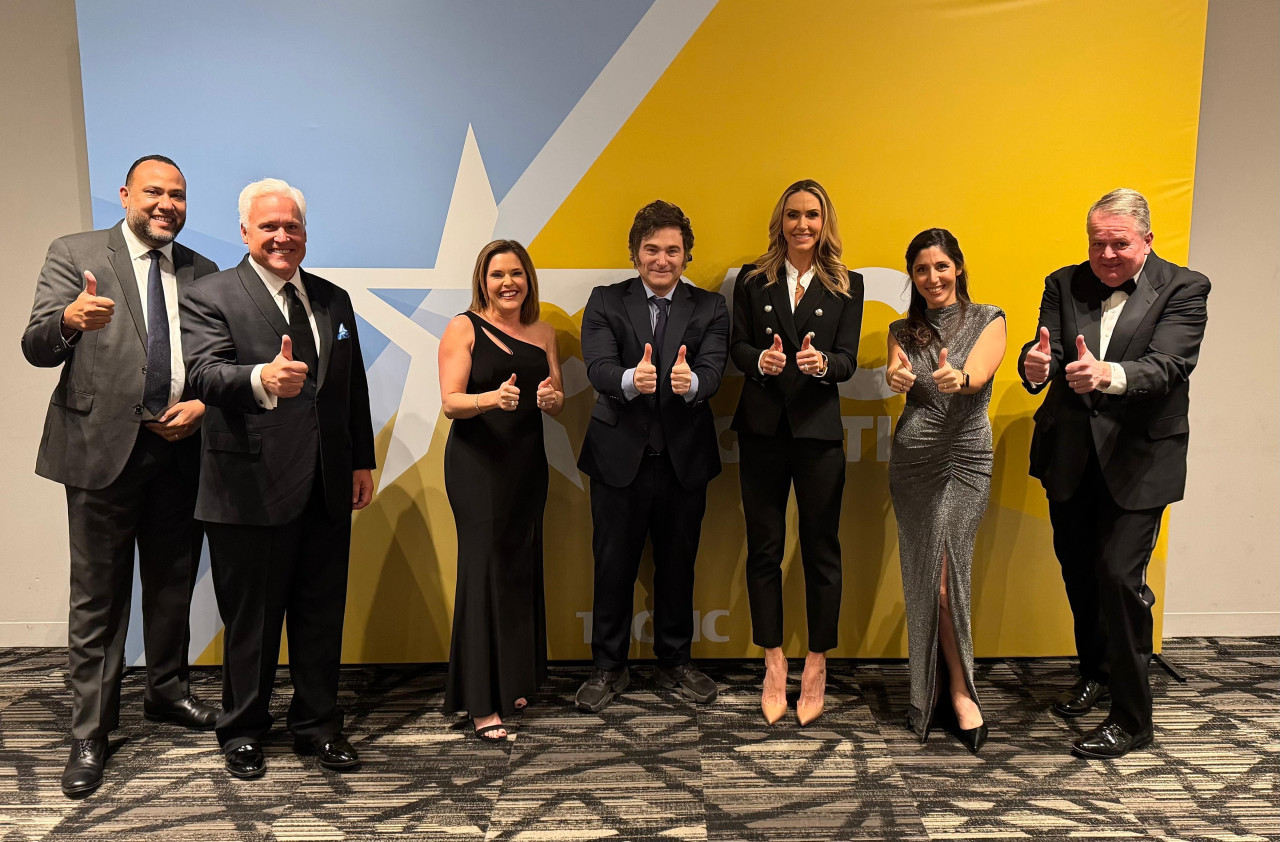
[(1222, 624), (20, 633)]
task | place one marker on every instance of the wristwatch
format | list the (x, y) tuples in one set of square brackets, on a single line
[(966, 380)]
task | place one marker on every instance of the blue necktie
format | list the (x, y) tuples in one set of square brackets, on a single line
[(657, 437), (660, 326), (155, 389)]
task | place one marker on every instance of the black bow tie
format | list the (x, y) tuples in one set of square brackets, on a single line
[(1128, 287)]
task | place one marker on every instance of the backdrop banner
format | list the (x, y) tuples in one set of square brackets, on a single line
[(421, 130)]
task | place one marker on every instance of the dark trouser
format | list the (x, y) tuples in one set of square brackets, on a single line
[(150, 504), (1104, 551), (264, 575), (657, 506), (768, 467)]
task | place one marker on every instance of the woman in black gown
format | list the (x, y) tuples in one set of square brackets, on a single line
[(499, 371)]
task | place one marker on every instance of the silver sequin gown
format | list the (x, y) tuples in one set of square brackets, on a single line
[(939, 477)]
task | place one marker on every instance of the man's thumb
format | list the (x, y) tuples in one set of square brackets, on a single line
[(648, 354), (1043, 347), (286, 347), (680, 355), (90, 283), (942, 359), (1081, 348)]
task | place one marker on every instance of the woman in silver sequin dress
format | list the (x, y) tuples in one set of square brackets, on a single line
[(943, 357)]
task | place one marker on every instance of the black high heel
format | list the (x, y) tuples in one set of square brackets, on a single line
[(972, 738)]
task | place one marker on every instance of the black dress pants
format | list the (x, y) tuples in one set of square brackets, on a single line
[(657, 506), (1104, 551), (768, 467), (266, 576), (151, 504)]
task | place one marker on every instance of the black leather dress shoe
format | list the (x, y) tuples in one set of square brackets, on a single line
[(691, 682), (189, 712), (333, 752), (1081, 698), (84, 767), (246, 761), (1109, 741)]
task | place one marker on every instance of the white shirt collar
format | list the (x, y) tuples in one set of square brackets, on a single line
[(274, 282), (650, 294), (138, 249), (793, 274)]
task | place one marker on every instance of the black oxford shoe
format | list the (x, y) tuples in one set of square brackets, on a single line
[(246, 761), (188, 712), (333, 752), (1081, 698), (84, 767), (1109, 741)]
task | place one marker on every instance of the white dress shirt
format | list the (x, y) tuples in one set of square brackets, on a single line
[(795, 279), (169, 283), (629, 390), (275, 286), (1112, 307)]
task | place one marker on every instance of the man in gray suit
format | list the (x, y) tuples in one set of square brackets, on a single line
[(123, 438)]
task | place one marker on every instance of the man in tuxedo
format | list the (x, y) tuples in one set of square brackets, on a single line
[(122, 435), (1119, 337), (655, 350), (288, 451)]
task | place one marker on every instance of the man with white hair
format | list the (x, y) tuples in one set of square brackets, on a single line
[(1119, 337), (288, 449)]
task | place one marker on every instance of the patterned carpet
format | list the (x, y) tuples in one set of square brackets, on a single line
[(653, 767)]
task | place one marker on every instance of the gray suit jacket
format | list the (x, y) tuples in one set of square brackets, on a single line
[(96, 407)]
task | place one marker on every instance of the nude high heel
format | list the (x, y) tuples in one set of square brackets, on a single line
[(773, 711), (807, 710)]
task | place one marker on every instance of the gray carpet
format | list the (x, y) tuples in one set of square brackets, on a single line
[(654, 767)]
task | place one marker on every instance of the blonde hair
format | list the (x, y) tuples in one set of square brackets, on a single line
[(1123, 202), (827, 267), (270, 187)]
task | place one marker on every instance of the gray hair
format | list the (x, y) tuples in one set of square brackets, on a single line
[(1124, 202), (271, 187)]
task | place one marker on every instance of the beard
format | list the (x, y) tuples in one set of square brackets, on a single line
[(140, 224)]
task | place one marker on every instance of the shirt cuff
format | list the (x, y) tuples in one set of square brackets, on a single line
[(260, 394), (692, 394), (1119, 382), (629, 390), (760, 362)]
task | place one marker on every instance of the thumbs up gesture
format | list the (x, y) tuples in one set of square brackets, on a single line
[(772, 359), (1087, 373), (810, 359), (89, 311), (948, 379), (646, 376), (508, 395), (284, 376), (547, 395), (681, 374), (1035, 366), (901, 378)]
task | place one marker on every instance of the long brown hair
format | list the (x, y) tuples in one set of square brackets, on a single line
[(530, 309), (919, 329), (827, 268)]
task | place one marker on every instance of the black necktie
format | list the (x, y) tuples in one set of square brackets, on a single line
[(1104, 291), (660, 325), (155, 386), (304, 341)]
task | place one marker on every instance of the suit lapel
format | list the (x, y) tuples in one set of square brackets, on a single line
[(1154, 276), (324, 323), (1088, 313), (780, 297), (636, 302), (258, 292), (677, 321), (127, 280), (808, 304)]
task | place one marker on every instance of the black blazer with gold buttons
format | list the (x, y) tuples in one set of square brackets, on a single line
[(834, 325)]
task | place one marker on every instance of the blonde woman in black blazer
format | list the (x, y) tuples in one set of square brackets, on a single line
[(797, 316)]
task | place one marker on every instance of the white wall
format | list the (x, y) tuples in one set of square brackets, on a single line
[(45, 172), (1225, 539)]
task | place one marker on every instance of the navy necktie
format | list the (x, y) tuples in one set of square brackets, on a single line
[(304, 341), (660, 325), (155, 388), (657, 439)]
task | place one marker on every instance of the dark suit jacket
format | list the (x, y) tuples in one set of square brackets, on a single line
[(96, 407), (259, 466), (811, 404), (615, 329), (1141, 436)]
